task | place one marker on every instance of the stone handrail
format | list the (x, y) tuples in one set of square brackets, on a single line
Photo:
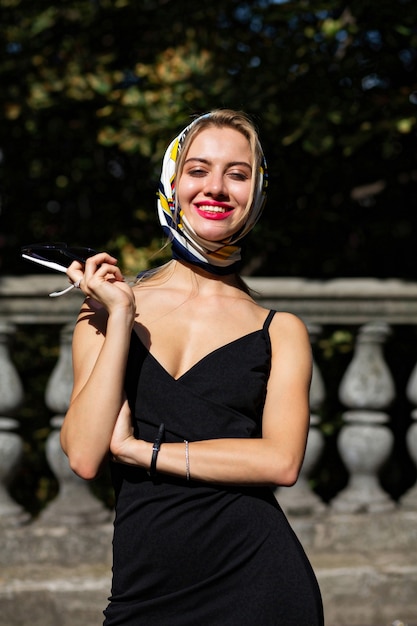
[(348, 301), (24, 299)]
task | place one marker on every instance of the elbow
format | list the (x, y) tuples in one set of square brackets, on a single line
[(289, 477), (81, 462), (83, 466), (84, 469), (286, 473)]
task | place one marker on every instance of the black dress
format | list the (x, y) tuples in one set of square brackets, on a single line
[(198, 554)]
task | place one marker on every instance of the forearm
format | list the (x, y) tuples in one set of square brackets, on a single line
[(222, 461), (91, 416)]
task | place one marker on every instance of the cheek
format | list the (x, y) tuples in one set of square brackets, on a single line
[(242, 194), (185, 191)]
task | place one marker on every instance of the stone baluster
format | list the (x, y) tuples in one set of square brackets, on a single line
[(74, 504), (300, 499), (409, 500), (365, 442), (11, 446)]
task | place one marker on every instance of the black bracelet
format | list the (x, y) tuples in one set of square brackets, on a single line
[(155, 449)]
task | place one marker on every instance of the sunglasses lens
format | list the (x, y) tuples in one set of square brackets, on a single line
[(79, 254), (56, 255)]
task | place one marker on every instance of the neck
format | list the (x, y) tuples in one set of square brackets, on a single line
[(205, 280), (220, 259)]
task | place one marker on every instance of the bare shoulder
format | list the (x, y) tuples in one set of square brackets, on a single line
[(287, 329), (284, 323), (291, 358)]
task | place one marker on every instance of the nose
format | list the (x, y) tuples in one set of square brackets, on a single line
[(215, 185)]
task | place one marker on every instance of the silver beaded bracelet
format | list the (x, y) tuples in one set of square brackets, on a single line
[(187, 460)]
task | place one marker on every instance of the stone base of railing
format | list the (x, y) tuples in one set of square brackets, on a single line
[(366, 566), (54, 575), (54, 596)]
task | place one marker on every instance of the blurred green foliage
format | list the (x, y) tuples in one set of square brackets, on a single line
[(92, 92)]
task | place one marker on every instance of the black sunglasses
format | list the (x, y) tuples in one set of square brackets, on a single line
[(56, 256)]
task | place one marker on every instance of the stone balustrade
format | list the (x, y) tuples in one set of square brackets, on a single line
[(373, 310), (366, 390)]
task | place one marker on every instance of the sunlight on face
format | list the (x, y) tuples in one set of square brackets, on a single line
[(215, 184)]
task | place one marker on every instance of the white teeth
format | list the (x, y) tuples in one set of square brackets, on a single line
[(212, 209)]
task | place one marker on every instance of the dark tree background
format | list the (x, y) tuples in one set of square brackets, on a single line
[(93, 90)]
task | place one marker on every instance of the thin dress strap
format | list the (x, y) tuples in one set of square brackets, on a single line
[(268, 320)]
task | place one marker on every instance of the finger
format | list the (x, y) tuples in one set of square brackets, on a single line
[(79, 272), (104, 271), (103, 262), (99, 259), (75, 271)]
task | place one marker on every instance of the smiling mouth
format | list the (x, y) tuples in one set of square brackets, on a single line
[(210, 208)]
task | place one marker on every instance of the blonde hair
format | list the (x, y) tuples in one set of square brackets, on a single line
[(220, 118)]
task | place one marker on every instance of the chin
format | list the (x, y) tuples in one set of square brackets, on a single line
[(214, 231), (215, 237)]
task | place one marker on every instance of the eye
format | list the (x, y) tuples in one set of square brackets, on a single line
[(197, 172), (237, 175)]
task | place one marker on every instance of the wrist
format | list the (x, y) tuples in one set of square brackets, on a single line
[(133, 452), (122, 314), (156, 446)]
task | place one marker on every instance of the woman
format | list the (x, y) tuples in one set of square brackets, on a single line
[(200, 396)]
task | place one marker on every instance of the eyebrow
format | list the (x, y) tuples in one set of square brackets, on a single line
[(231, 164)]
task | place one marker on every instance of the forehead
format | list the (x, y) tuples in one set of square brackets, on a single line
[(220, 142)]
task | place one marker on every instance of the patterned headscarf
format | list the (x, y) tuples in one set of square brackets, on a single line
[(217, 257)]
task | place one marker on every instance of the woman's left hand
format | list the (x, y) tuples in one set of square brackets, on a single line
[(122, 433)]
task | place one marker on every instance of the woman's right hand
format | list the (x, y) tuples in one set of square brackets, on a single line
[(101, 279)]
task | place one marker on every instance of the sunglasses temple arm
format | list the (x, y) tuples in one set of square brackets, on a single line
[(55, 294), (50, 264)]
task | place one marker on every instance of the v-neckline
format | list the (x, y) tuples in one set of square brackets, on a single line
[(203, 358)]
